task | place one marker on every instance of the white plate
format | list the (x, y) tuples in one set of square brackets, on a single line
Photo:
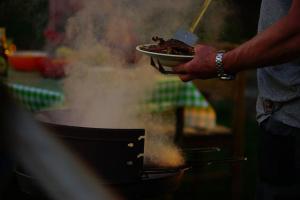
[(169, 60)]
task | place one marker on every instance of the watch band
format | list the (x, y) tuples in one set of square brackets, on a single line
[(220, 67)]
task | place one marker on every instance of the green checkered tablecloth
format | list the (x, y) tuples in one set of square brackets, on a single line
[(34, 98), (172, 92)]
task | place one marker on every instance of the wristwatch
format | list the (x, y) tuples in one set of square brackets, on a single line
[(220, 67)]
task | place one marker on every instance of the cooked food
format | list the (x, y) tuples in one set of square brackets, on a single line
[(171, 46)]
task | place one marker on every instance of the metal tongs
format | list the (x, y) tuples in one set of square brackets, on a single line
[(186, 36)]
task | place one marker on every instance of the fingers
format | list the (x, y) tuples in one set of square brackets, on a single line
[(186, 77), (201, 66), (182, 72), (187, 71), (184, 68), (180, 69)]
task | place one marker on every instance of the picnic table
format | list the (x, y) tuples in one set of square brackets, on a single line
[(191, 107), (35, 98), (33, 91)]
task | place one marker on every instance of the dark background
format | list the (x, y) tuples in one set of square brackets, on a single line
[(25, 21)]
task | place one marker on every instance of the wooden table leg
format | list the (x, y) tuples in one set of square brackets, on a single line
[(179, 124)]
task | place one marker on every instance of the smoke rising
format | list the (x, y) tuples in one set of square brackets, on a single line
[(107, 81), (213, 25)]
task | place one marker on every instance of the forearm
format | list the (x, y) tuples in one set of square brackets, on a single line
[(278, 44)]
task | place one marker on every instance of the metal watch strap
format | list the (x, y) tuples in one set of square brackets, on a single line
[(220, 67)]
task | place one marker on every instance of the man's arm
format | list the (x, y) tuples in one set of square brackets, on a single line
[(277, 44)]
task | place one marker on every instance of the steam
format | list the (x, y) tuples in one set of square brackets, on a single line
[(107, 81), (161, 151), (213, 25), (107, 97)]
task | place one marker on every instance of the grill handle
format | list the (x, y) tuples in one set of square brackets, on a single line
[(201, 150), (218, 162)]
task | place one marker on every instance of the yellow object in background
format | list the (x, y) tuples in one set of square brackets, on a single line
[(3, 36), (203, 118), (3, 54), (8, 44), (11, 48)]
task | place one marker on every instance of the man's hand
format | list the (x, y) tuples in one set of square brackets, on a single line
[(201, 67), (280, 43)]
